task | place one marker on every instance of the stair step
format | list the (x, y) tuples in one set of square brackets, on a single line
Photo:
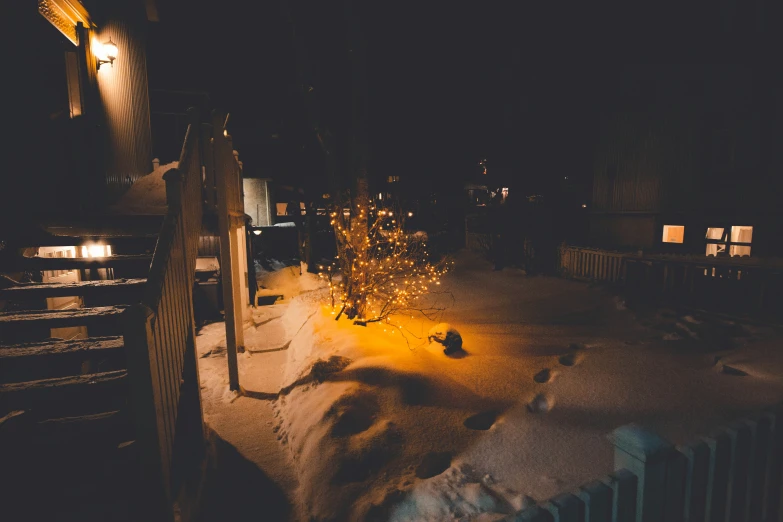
[(20, 263), (45, 360), (96, 316), (87, 467), (106, 429), (84, 288), (39, 238), (104, 224), (62, 397)]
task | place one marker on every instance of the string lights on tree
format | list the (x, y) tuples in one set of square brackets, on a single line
[(380, 270)]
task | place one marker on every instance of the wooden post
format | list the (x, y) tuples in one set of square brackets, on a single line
[(146, 398), (190, 401), (223, 158), (624, 485), (646, 455)]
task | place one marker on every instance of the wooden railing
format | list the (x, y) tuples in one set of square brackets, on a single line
[(160, 339), (734, 474), (732, 286)]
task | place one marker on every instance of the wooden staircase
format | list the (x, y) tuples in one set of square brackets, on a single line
[(105, 423), (67, 438)]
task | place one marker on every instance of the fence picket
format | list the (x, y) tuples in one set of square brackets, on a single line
[(760, 435), (740, 437), (772, 508), (718, 478), (623, 484), (675, 487), (697, 462), (597, 499), (565, 508)]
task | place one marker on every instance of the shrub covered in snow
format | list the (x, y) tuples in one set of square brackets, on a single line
[(380, 269), (446, 335)]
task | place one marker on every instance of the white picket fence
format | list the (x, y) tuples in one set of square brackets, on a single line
[(731, 475)]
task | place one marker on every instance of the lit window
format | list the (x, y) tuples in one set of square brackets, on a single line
[(741, 237), (281, 208), (393, 179), (716, 241), (673, 233)]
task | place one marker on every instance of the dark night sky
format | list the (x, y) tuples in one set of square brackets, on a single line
[(519, 83)]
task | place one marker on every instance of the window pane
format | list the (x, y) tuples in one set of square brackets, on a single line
[(673, 233), (741, 234), (740, 250), (714, 233)]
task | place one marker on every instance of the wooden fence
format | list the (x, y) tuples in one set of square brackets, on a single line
[(160, 340), (592, 264), (734, 286), (732, 475)]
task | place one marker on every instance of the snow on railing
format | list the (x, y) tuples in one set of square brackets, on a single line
[(735, 474), (160, 336)]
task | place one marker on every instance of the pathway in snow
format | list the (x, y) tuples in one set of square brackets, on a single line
[(254, 478)]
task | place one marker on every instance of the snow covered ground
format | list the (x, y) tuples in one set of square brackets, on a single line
[(375, 423)]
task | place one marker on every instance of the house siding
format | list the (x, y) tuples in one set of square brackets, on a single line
[(124, 93)]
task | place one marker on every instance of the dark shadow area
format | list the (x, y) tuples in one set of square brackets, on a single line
[(353, 413), (363, 462), (458, 354), (319, 372), (266, 300), (261, 396), (433, 464), (270, 350), (237, 490), (418, 390)]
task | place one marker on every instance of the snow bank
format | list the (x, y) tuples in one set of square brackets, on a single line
[(288, 282), (350, 414), (147, 195)]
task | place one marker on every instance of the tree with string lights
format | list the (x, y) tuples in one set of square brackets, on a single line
[(380, 269)]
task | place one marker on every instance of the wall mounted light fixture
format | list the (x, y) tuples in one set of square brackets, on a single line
[(107, 53)]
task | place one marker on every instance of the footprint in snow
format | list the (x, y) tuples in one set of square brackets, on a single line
[(571, 359), (544, 376), (481, 421), (540, 404)]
